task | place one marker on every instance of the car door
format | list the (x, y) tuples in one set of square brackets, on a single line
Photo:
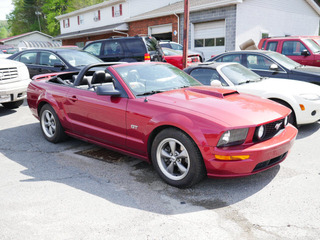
[(46, 62), (29, 58), (294, 49), (112, 50), (262, 66), (97, 117)]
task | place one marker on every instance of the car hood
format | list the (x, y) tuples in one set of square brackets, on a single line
[(227, 107), (5, 63), (269, 86), (307, 69)]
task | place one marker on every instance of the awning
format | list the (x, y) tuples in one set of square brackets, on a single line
[(94, 31)]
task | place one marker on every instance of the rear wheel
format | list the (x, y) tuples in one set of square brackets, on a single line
[(12, 105), (177, 159), (50, 125)]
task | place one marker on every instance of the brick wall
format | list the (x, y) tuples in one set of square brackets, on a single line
[(225, 13), (141, 27), (135, 28), (89, 38)]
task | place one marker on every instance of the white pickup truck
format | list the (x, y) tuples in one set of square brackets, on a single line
[(14, 80)]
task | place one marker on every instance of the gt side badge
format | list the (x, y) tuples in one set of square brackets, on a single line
[(134, 126)]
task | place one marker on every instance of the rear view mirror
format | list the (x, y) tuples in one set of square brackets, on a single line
[(216, 83), (305, 53), (59, 65), (274, 67), (108, 90)]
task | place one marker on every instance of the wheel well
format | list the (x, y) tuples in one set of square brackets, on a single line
[(41, 104), (285, 104), (159, 129)]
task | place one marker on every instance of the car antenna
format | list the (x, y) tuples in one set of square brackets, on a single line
[(145, 90)]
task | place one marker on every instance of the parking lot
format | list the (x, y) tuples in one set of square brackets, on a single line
[(53, 191)]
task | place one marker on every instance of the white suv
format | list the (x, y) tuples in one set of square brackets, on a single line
[(14, 80)]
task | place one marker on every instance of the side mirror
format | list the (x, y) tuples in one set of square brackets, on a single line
[(107, 90), (305, 53), (274, 67), (59, 65), (216, 83)]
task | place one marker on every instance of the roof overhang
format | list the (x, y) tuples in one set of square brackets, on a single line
[(314, 5), (94, 31)]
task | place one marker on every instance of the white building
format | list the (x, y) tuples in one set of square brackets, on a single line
[(215, 25)]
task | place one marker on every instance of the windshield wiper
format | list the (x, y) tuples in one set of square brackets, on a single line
[(248, 81), (150, 92)]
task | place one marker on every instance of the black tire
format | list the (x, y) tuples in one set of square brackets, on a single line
[(292, 116), (50, 125), (182, 169), (12, 105)]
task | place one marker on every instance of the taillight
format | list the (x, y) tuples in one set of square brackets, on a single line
[(147, 57), (195, 59)]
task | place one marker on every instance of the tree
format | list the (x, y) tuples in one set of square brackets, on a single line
[(24, 18), (3, 33)]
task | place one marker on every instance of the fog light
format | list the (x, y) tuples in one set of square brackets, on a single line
[(314, 113), (231, 158), (5, 98)]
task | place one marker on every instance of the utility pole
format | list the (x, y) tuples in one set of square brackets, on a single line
[(38, 14), (185, 33)]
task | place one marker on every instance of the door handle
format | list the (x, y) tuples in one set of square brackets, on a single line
[(73, 98)]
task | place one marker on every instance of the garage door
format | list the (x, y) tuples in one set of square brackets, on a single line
[(161, 32), (209, 37)]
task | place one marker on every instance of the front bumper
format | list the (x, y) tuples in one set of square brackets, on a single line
[(311, 113), (13, 91), (263, 155)]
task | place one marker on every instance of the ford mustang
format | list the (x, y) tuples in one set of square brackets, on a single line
[(158, 113)]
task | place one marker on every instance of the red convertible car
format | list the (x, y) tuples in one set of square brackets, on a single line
[(158, 113)]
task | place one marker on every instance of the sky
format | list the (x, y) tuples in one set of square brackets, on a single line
[(5, 8)]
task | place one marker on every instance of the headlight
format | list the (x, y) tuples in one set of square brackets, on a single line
[(233, 137), (310, 96), (261, 132), (286, 121)]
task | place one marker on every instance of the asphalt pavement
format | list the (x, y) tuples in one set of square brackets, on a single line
[(57, 191)]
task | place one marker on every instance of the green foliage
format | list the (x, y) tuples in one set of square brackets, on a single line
[(3, 33), (24, 19)]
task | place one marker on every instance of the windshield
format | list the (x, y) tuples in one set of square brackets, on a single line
[(147, 79), (171, 52), (315, 48), (239, 74), (79, 58), (283, 60)]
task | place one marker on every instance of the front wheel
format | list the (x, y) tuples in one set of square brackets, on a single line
[(50, 125), (177, 159)]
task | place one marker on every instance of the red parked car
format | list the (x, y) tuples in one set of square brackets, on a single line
[(302, 49), (160, 114), (174, 57)]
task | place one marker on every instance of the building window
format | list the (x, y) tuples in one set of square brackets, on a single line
[(97, 16), (80, 20), (117, 10), (66, 23), (209, 42)]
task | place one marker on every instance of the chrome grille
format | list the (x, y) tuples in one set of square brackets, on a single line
[(271, 129), (8, 73)]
